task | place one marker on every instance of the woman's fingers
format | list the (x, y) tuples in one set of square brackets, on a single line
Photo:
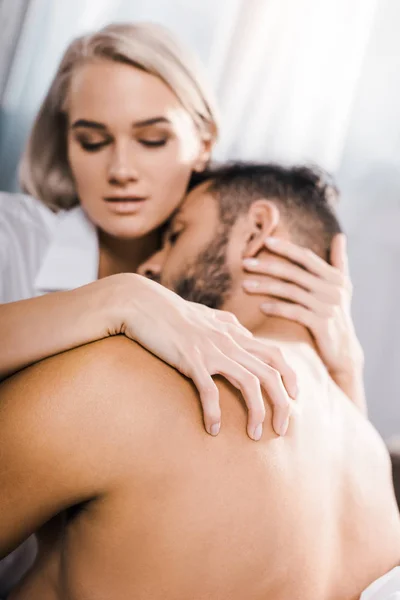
[(261, 365), (280, 402), (276, 360), (219, 363), (249, 365), (273, 357), (302, 287), (304, 257), (250, 387), (254, 371), (246, 370), (292, 292), (209, 397), (338, 254), (282, 268), (293, 312)]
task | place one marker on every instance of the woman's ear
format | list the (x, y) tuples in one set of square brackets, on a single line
[(264, 219), (207, 144)]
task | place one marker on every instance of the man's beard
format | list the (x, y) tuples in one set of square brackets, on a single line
[(207, 281)]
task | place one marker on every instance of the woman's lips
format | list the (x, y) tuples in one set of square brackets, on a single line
[(127, 205)]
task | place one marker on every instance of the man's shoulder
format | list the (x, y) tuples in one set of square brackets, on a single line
[(150, 390), (111, 384), (99, 411), (119, 356), (115, 358)]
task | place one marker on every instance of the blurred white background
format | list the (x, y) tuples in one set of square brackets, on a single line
[(297, 80)]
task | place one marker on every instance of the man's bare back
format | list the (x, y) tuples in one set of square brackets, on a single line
[(151, 507)]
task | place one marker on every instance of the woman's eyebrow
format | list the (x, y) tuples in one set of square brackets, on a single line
[(86, 123), (151, 121), (101, 126)]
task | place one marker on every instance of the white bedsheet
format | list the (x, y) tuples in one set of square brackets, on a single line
[(384, 588)]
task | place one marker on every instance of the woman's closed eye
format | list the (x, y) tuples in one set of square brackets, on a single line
[(90, 146), (156, 143), (93, 146)]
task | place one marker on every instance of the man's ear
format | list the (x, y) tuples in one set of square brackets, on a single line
[(264, 219)]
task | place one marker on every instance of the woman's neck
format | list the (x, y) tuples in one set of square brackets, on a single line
[(124, 256)]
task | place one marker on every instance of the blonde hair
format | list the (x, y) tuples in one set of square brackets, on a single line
[(44, 168)]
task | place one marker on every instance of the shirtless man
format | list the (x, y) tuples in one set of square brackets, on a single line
[(132, 500)]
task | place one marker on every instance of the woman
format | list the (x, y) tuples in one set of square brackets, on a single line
[(124, 126)]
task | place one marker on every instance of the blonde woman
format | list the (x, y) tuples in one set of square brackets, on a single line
[(126, 123)]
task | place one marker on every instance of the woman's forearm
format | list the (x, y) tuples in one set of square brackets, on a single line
[(41, 327)]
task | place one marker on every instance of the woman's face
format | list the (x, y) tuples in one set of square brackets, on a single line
[(132, 147)]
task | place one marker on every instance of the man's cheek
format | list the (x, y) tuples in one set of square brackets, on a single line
[(167, 280), (173, 273)]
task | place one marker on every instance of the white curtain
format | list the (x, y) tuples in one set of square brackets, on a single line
[(289, 78), (297, 80), (285, 71), (369, 174), (12, 13)]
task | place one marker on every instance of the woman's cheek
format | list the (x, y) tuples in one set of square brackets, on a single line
[(181, 153), (78, 165), (88, 172), (169, 176)]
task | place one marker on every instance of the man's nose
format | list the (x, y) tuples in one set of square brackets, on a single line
[(122, 169), (151, 269)]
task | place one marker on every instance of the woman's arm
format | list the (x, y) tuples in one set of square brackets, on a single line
[(199, 342), (41, 327)]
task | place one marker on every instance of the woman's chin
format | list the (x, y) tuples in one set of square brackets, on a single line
[(128, 228)]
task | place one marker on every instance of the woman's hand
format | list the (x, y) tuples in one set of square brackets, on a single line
[(201, 342), (308, 290)]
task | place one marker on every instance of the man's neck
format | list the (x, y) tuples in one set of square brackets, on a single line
[(247, 310), (284, 330)]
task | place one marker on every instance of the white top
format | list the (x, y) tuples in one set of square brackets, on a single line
[(42, 251)]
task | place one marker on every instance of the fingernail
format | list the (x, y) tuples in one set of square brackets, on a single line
[(284, 427), (271, 241), (251, 262), (258, 432), (251, 284), (214, 430), (266, 307)]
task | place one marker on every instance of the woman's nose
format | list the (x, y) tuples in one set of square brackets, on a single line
[(122, 169)]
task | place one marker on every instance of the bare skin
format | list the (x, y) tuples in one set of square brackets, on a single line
[(150, 507), (131, 499)]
